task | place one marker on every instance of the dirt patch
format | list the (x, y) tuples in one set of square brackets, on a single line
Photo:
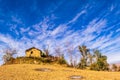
[(76, 77), (44, 69), (67, 70)]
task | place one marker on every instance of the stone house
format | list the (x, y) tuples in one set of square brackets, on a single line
[(33, 52)]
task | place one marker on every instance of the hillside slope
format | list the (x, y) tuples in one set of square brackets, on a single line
[(56, 72)]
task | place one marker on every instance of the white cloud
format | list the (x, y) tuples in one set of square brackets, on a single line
[(98, 42), (112, 7), (118, 30), (22, 30), (16, 19), (77, 16), (95, 26), (109, 43), (60, 29)]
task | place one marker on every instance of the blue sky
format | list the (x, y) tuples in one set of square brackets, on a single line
[(61, 23)]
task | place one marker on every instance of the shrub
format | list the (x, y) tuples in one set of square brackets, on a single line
[(47, 60), (82, 64), (11, 61), (43, 54), (100, 65), (62, 61), (118, 68), (114, 67)]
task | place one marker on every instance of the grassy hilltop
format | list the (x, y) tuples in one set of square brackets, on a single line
[(58, 72), (48, 67)]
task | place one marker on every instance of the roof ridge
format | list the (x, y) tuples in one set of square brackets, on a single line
[(32, 48)]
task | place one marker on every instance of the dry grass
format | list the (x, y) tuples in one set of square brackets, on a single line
[(28, 72)]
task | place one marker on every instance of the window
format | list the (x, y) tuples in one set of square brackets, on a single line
[(31, 52)]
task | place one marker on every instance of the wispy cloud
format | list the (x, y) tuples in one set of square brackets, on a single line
[(16, 19), (96, 26), (77, 16), (60, 29), (40, 35), (23, 30), (118, 30)]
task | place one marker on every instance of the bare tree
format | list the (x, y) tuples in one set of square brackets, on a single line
[(8, 54), (46, 50), (58, 52), (90, 58), (70, 50), (75, 60)]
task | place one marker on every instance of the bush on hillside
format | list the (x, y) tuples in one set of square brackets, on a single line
[(82, 64), (100, 65), (61, 60), (114, 67)]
